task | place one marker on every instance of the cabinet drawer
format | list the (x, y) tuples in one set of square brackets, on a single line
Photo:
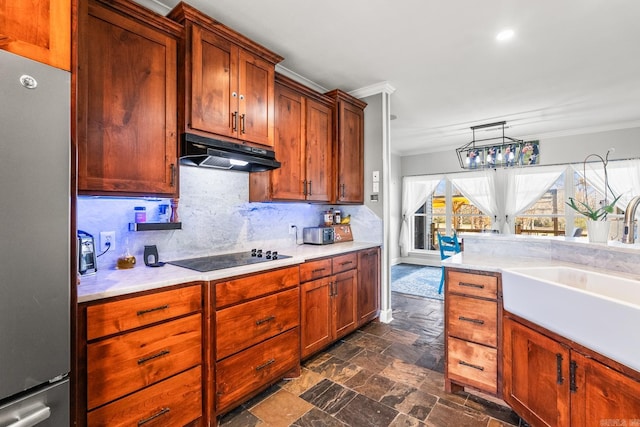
[(472, 284), (250, 287), (244, 325), (129, 362), (473, 364), (241, 374), (473, 319), (119, 316), (345, 262), (315, 269), (173, 402)]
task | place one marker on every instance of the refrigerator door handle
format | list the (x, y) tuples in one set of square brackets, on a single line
[(33, 419)]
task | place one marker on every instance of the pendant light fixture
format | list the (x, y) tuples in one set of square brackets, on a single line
[(503, 151)]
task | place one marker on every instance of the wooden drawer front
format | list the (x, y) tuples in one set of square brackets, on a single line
[(239, 375), (472, 284), (173, 402), (129, 362), (473, 319), (244, 325), (249, 287), (315, 269), (473, 364), (119, 316), (345, 262)]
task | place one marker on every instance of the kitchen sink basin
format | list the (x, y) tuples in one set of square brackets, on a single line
[(599, 311)]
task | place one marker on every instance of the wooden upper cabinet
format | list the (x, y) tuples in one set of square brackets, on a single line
[(227, 87), (126, 111), (37, 29), (349, 146), (303, 144)]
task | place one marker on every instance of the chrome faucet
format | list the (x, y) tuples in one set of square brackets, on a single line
[(628, 235)]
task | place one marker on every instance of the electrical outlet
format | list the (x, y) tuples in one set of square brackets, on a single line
[(107, 237), (292, 229)]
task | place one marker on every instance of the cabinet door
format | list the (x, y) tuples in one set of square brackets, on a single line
[(256, 79), (602, 394), (127, 128), (350, 153), (214, 82), (319, 156), (288, 182), (315, 303), (536, 376), (345, 318), (38, 30), (368, 285)]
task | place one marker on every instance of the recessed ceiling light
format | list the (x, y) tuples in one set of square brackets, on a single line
[(505, 35)]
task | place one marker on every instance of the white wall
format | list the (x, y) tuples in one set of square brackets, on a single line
[(565, 149), (373, 151)]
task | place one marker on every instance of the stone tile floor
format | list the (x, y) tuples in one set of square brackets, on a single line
[(381, 375)]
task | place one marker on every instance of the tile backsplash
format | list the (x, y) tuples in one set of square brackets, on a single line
[(216, 218)]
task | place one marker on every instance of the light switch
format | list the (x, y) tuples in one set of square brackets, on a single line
[(376, 187), (376, 176)]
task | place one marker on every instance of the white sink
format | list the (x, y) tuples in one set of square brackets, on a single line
[(599, 311)]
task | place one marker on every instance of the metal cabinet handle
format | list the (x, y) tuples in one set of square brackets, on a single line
[(346, 263), (309, 187), (317, 270), (160, 413), (151, 310), (265, 364), (572, 376), (559, 377), (471, 285), (32, 419), (153, 356), (471, 365), (265, 320), (342, 186), (469, 319), (304, 187), (172, 168), (242, 130), (234, 121)]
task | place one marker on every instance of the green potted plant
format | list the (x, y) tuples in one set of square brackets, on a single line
[(597, 224)]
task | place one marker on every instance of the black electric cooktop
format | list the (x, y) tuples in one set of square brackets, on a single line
[(237, 259)]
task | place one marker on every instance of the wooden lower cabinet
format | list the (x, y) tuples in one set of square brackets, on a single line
[(141, 359), (333, 300), (548, 382), (472, 330), (257, 334), (176, 401)]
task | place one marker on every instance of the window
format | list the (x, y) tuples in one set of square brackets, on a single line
[(547, 216), (467, 217)]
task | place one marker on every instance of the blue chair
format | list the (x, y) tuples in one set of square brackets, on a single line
[(449, 246)]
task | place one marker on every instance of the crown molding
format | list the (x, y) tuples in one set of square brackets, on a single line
[(374, 89), (155, 5), (300, 79)]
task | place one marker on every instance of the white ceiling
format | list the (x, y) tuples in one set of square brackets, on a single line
[(572, 67)]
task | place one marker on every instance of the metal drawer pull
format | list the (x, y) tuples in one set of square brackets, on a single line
[(468, 319), (265, 320), (154, 356), (478, 367), (572, 376), (318, 270), (559, 377), (265, 364), (346, 263), (471, 285), (160, 413), (151, 310)]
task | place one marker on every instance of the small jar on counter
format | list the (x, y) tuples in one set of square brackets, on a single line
[(328, 218), (337, 217)]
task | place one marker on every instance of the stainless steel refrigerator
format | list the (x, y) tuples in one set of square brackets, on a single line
[(34, 243)]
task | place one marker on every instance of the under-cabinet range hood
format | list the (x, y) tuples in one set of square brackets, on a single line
[(198, 150)]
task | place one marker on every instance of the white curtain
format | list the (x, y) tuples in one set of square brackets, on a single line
[(623, 175), (522, 188), (480, 189), (415, 192)]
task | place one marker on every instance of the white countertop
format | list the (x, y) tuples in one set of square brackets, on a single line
[(113, 282)]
